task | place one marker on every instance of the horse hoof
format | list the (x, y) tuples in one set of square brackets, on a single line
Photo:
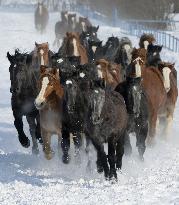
[(118, 165), (113, 175), (50, 155), (25, 142), (99, 167), (66, 159), (35, 151)]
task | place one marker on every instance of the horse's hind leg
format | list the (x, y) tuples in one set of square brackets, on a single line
[(38, 131), (18, 123), (111, 159), (32, 129), (102, 156), (119, 151), (127, 145), (141, 137)]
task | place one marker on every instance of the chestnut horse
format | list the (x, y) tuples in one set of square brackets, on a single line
[(146, 40), (41, 55), (71, 46), (153, 86), (111, 72), (49, 103), (170, 83)]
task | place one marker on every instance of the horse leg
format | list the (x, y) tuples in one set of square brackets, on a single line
[(152, 128), (65, 145), (127, 145), (77, 143), (18, 123), (141, 137), (111, 159), (46, 144), (37, 131), (89, 153), (32, 129), (102, 156), (120, 151)]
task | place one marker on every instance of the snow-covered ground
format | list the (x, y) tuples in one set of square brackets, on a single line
[(27, 179)]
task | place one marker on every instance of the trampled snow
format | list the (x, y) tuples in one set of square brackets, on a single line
[(26, 179)]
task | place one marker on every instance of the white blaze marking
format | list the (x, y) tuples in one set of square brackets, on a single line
[(96, 91), (42, 57), (40, 9), (146, 43), (40, 98), (68, 82), (60, 60), (154, 54), (138, 70), (66, 16), (94, 48), (82, 75), (76, 53), (166, 75), (83, 26)]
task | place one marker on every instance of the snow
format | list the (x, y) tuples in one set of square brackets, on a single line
[(27, 179)]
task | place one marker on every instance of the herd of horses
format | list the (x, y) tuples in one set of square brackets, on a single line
[(93, 93)]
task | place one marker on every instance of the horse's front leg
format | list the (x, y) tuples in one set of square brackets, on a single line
[(77, 139), (32, 129), (65, 144), (111, 158), (120, 151), (38, 131), (88, 150), (46, 136), (18, 123)]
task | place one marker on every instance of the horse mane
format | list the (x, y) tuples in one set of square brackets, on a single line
[(146, 37)]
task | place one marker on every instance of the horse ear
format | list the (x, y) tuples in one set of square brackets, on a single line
[(36, 44), (97, 28), (160, 48), (10, 58), (42, 69), (100, 43)]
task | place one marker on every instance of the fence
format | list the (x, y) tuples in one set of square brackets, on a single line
[(134, 27)]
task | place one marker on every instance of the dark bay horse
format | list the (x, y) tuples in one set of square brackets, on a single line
[(95, 50), (49, 103), (41, 17), (146, 40), (153, 55), (82, 24), (72, 46), (153, 86), (169, 74), (24, 90)]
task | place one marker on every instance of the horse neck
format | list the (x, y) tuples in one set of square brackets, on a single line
[(54, 102)]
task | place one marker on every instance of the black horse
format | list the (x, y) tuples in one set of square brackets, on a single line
[(153, 55), (61, 27), (137, 108), (41, 17), (103, 116), (24, 91), (95, 50)]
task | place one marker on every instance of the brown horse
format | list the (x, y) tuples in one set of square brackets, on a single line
[(49, 103), (41, 55), (111, 72), (145, 40), (71, 46), (153, 86), (170, 83)]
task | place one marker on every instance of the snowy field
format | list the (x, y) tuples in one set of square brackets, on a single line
[(26, 179)]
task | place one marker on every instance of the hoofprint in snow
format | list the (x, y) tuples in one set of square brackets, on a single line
[(27, 179)]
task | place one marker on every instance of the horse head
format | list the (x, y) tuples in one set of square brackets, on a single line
[(146, 40), (153, 54), (42, 53), (49, 84)]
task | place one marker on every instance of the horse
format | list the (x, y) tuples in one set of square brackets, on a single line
[(89, 35), (24, 90), (41, 55), (110, 48), (153, 55), (146, 40), (124, 54), (152, 83), (72, 22), (137, 108), (41, 17), (169, 74), (95, 50), (61, 27), (49, 103), (101, 110), (111, 72), (71, 46), (82, 24)]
